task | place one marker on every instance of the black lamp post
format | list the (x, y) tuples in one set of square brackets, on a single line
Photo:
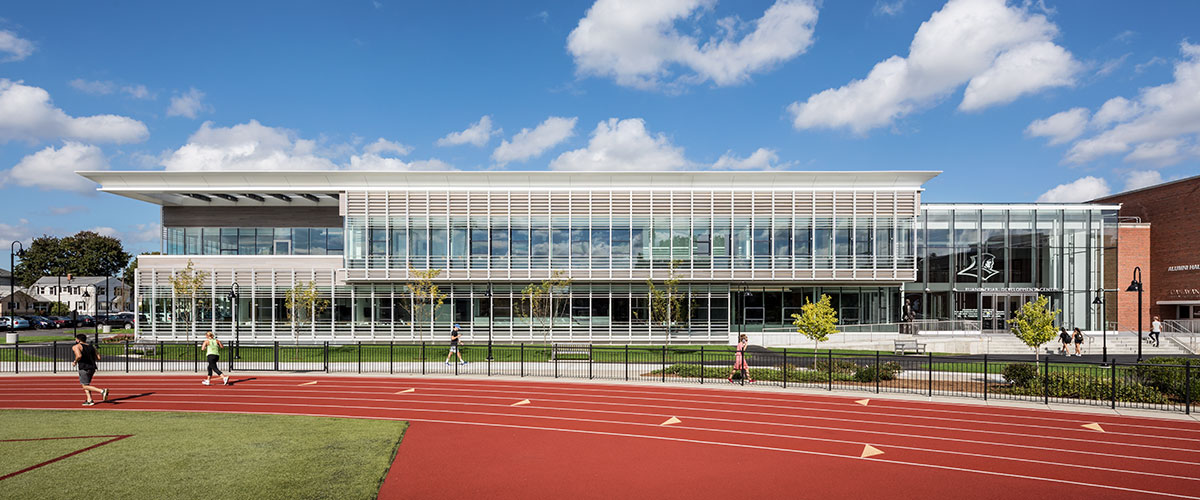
[(12, 285), (96, 324), (1136, 286), (491, 314), (233, 298), (1099, 300)]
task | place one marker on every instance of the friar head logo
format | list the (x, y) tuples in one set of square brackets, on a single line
[(984, 263)]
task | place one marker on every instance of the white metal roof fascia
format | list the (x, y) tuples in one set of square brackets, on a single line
[(1019, 206)]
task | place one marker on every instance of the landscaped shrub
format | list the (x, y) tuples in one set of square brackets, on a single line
[(1084, 386), (1021, 374), (118, 339), (1170, 379), (840, 366), (887, 371)]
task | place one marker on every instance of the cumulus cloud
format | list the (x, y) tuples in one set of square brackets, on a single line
[(531, 143), (1142, 178), (640, 44), (1000, 52), (188, 104), (14, 47), (1158, 126), (376, 162), (1060, 127), (26, 114), (883, 8), (54, 168), (1082, 189), (478, 134), (623, 145), (761, 159), (385, 146)]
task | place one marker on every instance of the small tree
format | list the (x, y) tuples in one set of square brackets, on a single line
[(816, 321), (666, 303), (304, 302), (187, 284), (58, 309), (1033, 323), (538, 300), (426, 297)]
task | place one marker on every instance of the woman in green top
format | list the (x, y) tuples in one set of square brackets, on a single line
[(212, 346)]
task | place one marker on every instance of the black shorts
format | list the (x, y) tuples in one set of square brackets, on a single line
[(85, 375)]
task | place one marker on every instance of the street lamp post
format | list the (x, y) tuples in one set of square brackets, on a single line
[(491, 314), (1136, 286), (95, 323), (1099, 300), (233, 298), (12, 285)]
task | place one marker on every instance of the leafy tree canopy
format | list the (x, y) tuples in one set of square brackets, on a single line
[(84, 254), (817, 320), (1033, 323)]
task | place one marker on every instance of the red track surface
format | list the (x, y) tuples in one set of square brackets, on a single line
[(606, 441)]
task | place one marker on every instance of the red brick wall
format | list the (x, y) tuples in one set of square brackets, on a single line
[(1133, 249)]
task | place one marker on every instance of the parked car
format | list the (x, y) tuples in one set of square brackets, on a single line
[(7, 323), (61, 321), (121, 320), (85, 320), (39, 322)]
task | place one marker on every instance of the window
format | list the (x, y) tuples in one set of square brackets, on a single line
[(334, 241)]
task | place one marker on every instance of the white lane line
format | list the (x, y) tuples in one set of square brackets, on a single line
[(680, 440), (190, 400), (290, 389)]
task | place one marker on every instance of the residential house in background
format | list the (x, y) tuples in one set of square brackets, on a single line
[(82, 294)]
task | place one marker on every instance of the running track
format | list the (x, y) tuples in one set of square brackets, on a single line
[(587, 440)]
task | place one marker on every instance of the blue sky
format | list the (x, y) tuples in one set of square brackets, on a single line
[(1014, 101)]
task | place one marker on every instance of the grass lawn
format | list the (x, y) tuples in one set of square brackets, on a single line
[(196, 455)]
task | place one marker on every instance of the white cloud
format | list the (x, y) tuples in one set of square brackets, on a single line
[(133, 235), (623, 145), (761, 159), (188, 104), (26, 114), (53, 168), (376, 162), (999, 51), (893, 8), (1111, 65), (246, 146), (1082, 189), (640, 44), (1142, 178), (478, 134), (16, 47), (531, 143), (96, 87), (1157, 126), (1060, 127), (137, 91), (385, 146)]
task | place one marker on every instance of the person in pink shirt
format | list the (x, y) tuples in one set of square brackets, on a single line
[(739, 362)]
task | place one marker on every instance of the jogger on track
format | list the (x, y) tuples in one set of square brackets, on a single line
[(212, 346), (454, 346), (85, 359), (739, 362)]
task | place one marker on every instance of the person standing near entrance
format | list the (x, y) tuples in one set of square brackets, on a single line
[(85, 360), (212, 347), (1155, 330), (454, 336), (907, 317)]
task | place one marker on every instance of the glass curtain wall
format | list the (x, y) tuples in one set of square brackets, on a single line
[(253, 241)]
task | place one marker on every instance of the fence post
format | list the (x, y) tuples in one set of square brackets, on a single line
[(1187, 387), (126, 356), (784, 367), (391, 357), (325, 356), (876, 372), (275, 354), (985, 376), (626, 362), (196, 357), (422, 357), (17, 356), (589, 361), (829, 365), (489, 365), (1113, 384), (554, 354), (54, 362), (664, 364), (701, 364), (1046, 381), (929, 367), (522, 359), (360, 356), (162, 358)]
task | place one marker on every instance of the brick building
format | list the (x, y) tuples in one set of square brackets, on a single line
[(1164, 240)]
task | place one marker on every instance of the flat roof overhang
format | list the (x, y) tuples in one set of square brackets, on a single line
[(316, 188)]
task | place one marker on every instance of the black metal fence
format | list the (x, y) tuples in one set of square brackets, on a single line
[(1161, 384)]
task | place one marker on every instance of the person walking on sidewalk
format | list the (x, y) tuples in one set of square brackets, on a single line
[(1155, 330), (739, 361), (212, 347), (1066, 340), (85, 360), (1078, 342), (454, 336)]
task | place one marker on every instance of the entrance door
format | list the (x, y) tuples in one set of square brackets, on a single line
[(1000, 307)]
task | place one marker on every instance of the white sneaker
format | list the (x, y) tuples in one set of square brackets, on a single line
[(464, 363), (205, 382), (447, 363), (225, 378)]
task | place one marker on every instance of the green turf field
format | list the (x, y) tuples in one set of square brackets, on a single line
[(195, 455)]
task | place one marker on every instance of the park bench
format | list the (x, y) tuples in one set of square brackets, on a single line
[(571, 352), (903, 346)]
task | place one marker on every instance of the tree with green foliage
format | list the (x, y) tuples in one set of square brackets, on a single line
[(817, 321), (58, 309), (187, 283), (1033, 323), (539, 301), (304, 303), (666, 302), (84, 254), (425, 297)]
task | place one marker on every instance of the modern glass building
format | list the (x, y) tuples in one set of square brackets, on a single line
[(620, 257)]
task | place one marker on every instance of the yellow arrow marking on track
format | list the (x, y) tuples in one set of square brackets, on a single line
[(671, 421), (406, 391), (309, 383), (863, 401), (870, 451), (1094, 427), (521, 402)]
